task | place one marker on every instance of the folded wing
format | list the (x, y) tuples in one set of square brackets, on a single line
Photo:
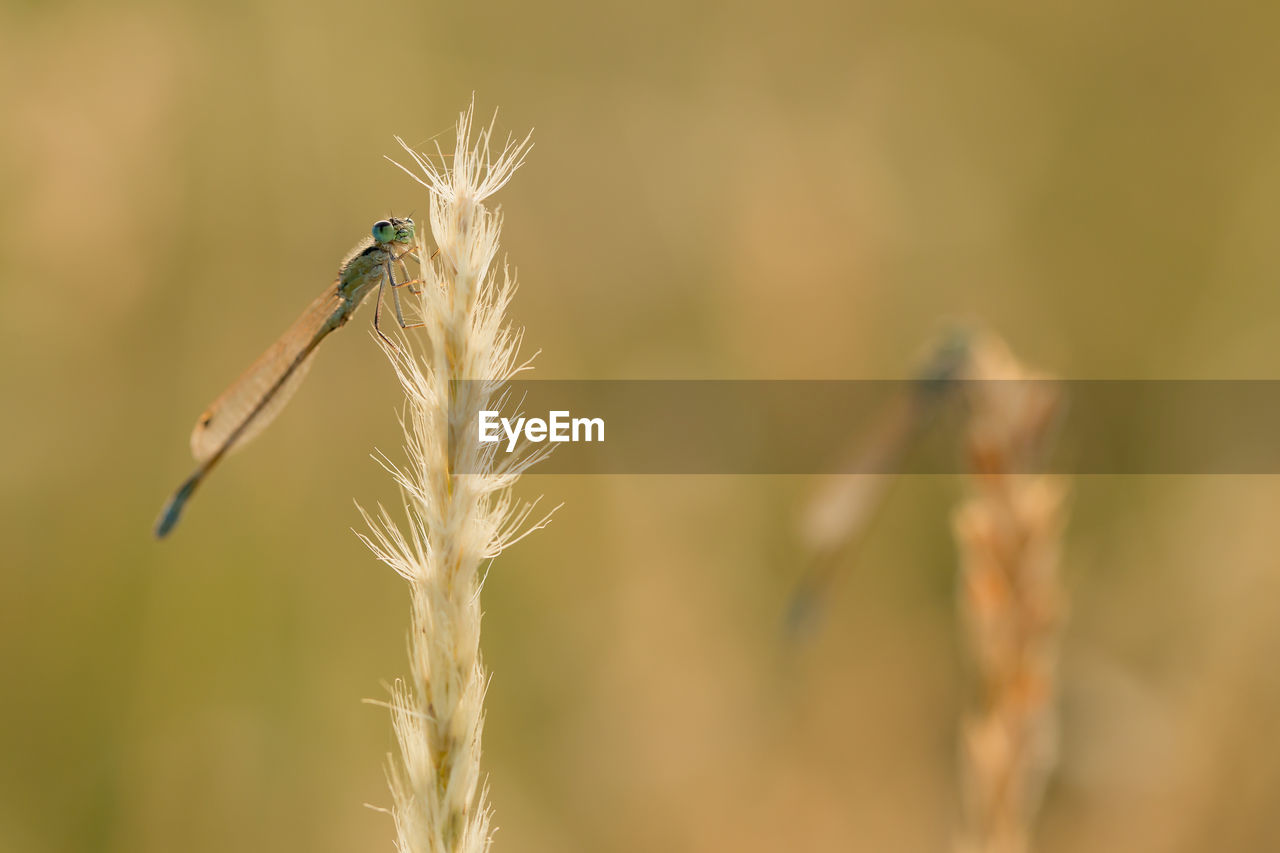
[(253, 401)]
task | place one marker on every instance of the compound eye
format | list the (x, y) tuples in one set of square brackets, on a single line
[(383, 231)]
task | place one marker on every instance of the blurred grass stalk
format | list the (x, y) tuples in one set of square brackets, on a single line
[(1008, 530), (454, 522)]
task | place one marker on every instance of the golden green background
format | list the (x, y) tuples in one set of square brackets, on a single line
[(718, 190)]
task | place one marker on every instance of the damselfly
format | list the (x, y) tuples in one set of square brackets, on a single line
[(838, 516), (254, 400)]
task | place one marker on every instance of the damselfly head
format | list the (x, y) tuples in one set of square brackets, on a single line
[(393, 231)]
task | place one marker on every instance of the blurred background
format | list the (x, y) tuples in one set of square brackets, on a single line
[(718, 190)]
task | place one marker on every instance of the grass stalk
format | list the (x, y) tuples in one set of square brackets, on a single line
[(454, 523), (1008, 530)]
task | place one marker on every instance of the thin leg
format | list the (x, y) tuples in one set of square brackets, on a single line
[(408, 281), (377, 312), (395, 299), (405, 268), (395, 294)]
